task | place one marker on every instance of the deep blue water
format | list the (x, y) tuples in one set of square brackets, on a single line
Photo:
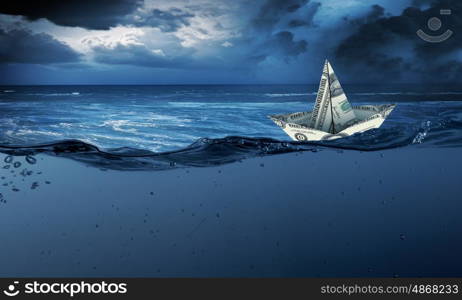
[(389, 207)]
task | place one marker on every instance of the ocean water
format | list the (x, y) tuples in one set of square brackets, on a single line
[(196, 181), (205, 125)]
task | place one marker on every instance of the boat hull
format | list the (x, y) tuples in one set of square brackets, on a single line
[(370, 117)]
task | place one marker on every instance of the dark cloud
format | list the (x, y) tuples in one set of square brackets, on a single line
[(167, 21), (137, 55), (280, 45), (22, 46), (99, 14), (417, 3), (449, 71), (272, 11), (283, 44), (298, 23), (272, 26), (306, 19), (90, 14), (388, 46), (374, 14), (271, 34), (377, 11)]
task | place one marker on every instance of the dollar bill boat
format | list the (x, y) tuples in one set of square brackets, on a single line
[(332, 117)]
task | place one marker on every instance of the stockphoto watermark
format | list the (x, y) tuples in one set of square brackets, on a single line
[(65, 288), (434, 24)]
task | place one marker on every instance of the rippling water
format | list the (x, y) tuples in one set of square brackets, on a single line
[(138, 127)]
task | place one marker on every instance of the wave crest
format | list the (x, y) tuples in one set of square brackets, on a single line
[(204, 152)]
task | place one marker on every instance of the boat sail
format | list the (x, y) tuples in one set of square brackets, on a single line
[(332, 116), (332, 111)]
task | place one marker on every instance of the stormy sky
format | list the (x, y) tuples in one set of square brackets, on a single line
[(235, 42)]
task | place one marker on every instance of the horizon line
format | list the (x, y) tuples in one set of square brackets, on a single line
[(230, 84)]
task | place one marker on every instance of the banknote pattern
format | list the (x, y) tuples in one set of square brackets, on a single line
[(321, 104), (332, 116), (332, 112)]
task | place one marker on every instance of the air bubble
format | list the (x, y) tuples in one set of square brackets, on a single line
[(30, 159)]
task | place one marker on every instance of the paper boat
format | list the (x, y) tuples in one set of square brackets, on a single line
[(332, 116)]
